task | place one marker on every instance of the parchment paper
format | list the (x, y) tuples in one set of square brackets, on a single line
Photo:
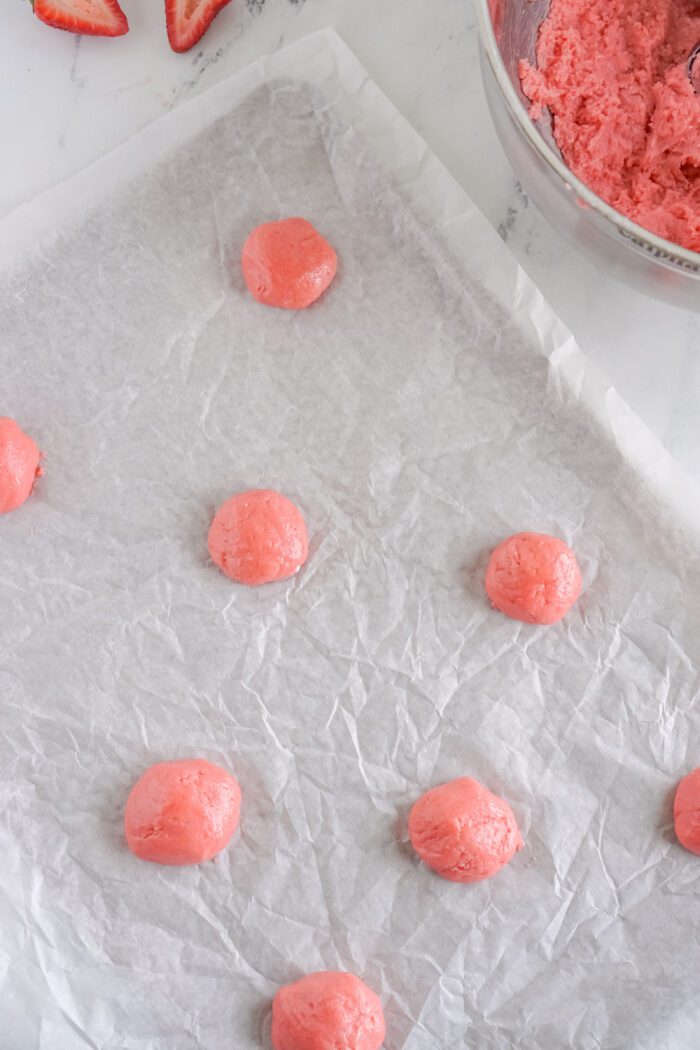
[(426, 407)]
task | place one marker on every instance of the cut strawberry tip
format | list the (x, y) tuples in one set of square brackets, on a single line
[(188, 20)]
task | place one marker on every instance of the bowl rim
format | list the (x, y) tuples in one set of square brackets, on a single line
[(664, 251)]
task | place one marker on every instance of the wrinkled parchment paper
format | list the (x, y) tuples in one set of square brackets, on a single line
[(429, 405)]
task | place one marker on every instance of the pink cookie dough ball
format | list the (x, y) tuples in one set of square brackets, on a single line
[(19, 465), (287, 264), (258, 537), (462, 831), (327, 1011), (533, 577), (182, 812), (686, 812)]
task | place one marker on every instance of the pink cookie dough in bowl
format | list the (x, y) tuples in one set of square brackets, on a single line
[(19, 465), (463, 831), (258, 537), (327, 1011), (686, 812), (614, 75), (533, 577), (593, 105), (182, 812), (288, 264)]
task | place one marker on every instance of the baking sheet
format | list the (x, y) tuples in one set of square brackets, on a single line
[(429, 405)]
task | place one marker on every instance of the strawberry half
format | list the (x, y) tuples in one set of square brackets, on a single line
[(96, 17), (188, 20)]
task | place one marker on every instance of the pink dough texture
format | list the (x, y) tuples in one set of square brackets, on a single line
[(686, 812), (19, 465), (182, 812), (288, 264), (614, 76), (327, 1011), (533, 577), (462, 831), (258, 537)]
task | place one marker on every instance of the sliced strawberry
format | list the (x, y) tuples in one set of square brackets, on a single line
[(96, 17), (188, 20)]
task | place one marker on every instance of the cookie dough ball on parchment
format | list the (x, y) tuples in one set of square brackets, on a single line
[(19, 465), (327, 1011), (182, 812), (533, 577), (463, 831), (258, 537), (287, 264), (686, 812)]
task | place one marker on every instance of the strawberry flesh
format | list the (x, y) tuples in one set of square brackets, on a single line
[(94, 17), (188, 20)]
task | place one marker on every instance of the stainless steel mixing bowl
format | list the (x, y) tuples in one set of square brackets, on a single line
[(508, 32)]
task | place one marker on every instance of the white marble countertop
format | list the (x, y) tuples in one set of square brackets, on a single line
[(67, 100)]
